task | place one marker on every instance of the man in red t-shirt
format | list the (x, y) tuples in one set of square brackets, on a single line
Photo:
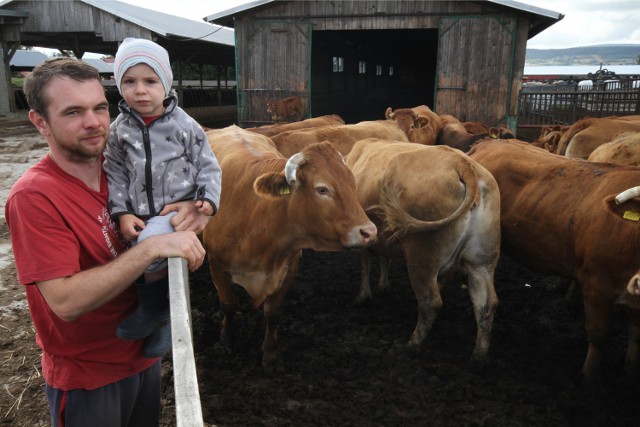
[(74, 262)]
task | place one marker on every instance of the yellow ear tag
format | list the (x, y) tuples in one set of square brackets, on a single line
[(284, 190), (632, 216)]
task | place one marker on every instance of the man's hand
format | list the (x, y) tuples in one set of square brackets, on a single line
[(188, 217), (128, 224), (183, 244)]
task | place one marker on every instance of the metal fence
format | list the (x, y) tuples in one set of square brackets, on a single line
[(210, 106), (563, 105)]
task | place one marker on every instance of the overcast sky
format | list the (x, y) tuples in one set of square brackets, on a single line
[(586, 22)]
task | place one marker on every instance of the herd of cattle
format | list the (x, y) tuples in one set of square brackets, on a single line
[(446, 196)]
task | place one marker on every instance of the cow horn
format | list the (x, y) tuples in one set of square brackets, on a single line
[(389, 114), (291, 168), (628, 195)]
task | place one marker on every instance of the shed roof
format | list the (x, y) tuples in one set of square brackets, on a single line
[(166, 25), (27, 59), (543, 18), (186, 39)]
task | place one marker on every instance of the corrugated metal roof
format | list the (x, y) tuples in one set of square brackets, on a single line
[(27, 58), (222, 16), (162, 23), (237, 9), (166, 25), (103, 67), (529, 8), (578, 70), (32, 58)]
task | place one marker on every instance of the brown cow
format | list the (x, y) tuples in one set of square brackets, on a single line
[(623, 150), (549, 137), (476, 127), (313, 122), (586, 135), (271, 208), (585, 236), (286, 109), (454, 134), (420, 124), (633, 287), (342, 136), (442, 209)]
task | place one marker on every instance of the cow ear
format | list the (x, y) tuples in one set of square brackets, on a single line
[(272, 185), (494, 133), (388, 114), (423, 121)]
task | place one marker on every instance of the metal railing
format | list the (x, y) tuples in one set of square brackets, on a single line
[(185, 378), (564, 105)]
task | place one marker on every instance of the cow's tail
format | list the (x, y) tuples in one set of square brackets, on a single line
[(398, 222), (566, 137)]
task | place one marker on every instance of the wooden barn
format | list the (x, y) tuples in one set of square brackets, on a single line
[(356, 58), (99, 26)]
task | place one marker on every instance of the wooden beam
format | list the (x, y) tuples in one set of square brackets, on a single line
[(185, 379)]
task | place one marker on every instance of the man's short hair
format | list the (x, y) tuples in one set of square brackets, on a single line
[(38, 80)]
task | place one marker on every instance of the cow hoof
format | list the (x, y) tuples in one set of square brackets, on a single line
[(272, 366), (414, 349), (478, 364), (365, 301)]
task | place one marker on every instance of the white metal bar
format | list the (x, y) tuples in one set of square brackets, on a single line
[(185, 379)]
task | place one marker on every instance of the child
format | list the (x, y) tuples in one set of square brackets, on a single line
[(156, 154)]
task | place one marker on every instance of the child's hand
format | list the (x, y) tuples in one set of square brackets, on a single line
[(128, 224), (204, 207)]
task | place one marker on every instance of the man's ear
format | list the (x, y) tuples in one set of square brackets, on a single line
[(39, 122)]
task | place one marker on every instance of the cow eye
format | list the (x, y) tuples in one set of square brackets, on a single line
[(322, 190)]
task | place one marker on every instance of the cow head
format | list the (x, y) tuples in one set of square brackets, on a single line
[(321, 200), (417, 128)]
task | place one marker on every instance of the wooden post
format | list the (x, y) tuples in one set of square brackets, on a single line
[(185, 379)]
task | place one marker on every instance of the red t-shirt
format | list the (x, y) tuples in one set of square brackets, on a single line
[(59, 227)]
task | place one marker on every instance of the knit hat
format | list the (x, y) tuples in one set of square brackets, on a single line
[(140, 51)]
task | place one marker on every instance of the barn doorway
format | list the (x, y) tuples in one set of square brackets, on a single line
[(358, 74)]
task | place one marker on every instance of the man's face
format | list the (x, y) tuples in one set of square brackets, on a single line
[(78, 119)]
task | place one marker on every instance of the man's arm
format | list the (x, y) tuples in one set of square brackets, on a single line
[(70, 297)]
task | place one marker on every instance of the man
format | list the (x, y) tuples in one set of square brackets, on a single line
[(73, 261)]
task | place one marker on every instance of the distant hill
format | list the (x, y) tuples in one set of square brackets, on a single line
[(614, 54)]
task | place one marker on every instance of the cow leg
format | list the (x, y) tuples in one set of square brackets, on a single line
[(485, 302), (385, 263), (270, 351), (633, 351), (597, 310), (272, 312), (425, 286), (228, 301), (632, 360), (364, 258)]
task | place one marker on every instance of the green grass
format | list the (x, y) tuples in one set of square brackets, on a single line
[(17, 81)]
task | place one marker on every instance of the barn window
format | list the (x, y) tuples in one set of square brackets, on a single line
[(362, 67), (378, 70), (391, 70), (338, 64)]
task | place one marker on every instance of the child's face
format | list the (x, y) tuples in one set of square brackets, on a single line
[(142, 89)]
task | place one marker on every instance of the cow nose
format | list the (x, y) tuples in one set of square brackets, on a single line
[(368, 233)]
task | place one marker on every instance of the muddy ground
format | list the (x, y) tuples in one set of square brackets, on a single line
[(346, 365)]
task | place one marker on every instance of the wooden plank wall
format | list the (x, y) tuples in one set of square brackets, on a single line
[(486, 57), (475, 64), (61, 16), (273, 63)]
